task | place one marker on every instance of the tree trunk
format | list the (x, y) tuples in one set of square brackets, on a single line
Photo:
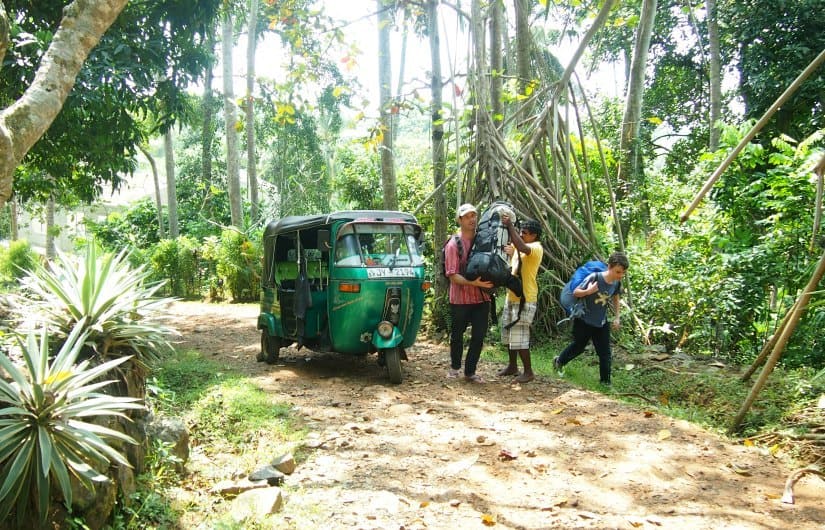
[(496, 63), (385, 103), (24, 122), (208, 133), (715, 75), (171, 186), (437, 124), (50, 248), (156, 178), (630, 150), (251, 161), (15, 230), (231, 118), (523, 51)]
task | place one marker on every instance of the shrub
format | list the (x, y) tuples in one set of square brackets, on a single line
[(239, 265), (16, 260), (104, 296), (44, 435)]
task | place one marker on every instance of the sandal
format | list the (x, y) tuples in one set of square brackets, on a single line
[(475, 378)]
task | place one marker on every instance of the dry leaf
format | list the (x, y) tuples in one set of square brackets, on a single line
[(664, 434), (774, 449), (739, 470), (748, 442), (424, 504), (488, 520), (573, 421), (506, 454), (648, 414), (558, 411)]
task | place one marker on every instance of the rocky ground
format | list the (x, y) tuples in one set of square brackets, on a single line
[(445, 454)]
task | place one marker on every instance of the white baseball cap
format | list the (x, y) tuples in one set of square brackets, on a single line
[(466, 208)]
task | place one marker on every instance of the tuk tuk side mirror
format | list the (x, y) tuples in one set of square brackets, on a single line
[(323, 240)]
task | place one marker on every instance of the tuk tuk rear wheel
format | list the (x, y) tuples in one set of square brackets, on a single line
[(392, 359), (270, 347)]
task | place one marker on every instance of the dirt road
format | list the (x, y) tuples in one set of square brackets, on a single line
[(438, 453)]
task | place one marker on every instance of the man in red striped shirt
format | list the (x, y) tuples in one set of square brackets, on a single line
[(469, 304)]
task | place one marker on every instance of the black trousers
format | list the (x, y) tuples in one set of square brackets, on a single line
[(584, 333), (463, 315)]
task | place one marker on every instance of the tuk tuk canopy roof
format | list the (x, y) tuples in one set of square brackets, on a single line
[(303, 222)]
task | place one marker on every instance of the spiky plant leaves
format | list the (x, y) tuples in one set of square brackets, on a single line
[(105, 296), (43, 438)]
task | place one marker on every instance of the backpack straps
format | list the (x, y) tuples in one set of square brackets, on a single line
[(523, 300)]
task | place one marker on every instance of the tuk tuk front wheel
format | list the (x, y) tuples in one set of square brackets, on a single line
[(392, 359), (270, 347)]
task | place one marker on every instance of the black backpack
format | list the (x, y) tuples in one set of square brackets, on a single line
[(460, 246), (488, 260)]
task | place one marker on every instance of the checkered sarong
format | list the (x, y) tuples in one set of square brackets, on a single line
[(518, 336)]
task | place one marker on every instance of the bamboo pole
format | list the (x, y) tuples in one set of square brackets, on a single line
[(752, 133), (799, 307), (768, 347)]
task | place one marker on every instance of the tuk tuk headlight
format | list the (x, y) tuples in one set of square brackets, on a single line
[(385, 329)]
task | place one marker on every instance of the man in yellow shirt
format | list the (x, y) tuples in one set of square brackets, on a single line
[(526, 252)]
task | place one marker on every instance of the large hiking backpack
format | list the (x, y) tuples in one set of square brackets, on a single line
[(574, 307), (488, 260)]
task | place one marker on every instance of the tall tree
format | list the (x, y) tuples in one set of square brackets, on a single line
[(171, 184), (25, 121), (386, 107), (230, 123), (251, 159), (630, 149), (209, 107), (438, 158), (153, 165), (715, 74), (496, 60)]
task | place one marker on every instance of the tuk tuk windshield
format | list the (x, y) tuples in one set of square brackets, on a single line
[(377, 245)]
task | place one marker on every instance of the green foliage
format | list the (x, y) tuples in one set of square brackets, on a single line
[(44, 433), (104, 296), (721, 284), (142, 65), (176, 261), (137, 227), (239, 265), (149, 506), (782, 39), (358, 180), (15, 260)]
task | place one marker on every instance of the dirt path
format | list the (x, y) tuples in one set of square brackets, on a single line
[(436, 453)]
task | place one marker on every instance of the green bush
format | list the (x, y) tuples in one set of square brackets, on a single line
[(175, 260), (16, 260), (239, 266)]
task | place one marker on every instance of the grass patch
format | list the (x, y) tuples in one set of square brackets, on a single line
[(697, 392), (237, 426)]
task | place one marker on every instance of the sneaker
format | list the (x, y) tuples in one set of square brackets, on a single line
[(557, 365), (475, 378), (452, 374)]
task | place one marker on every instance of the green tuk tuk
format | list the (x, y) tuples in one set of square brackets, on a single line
[(350, 282)]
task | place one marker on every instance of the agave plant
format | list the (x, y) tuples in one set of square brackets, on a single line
[(44, 435), (107, 297)]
